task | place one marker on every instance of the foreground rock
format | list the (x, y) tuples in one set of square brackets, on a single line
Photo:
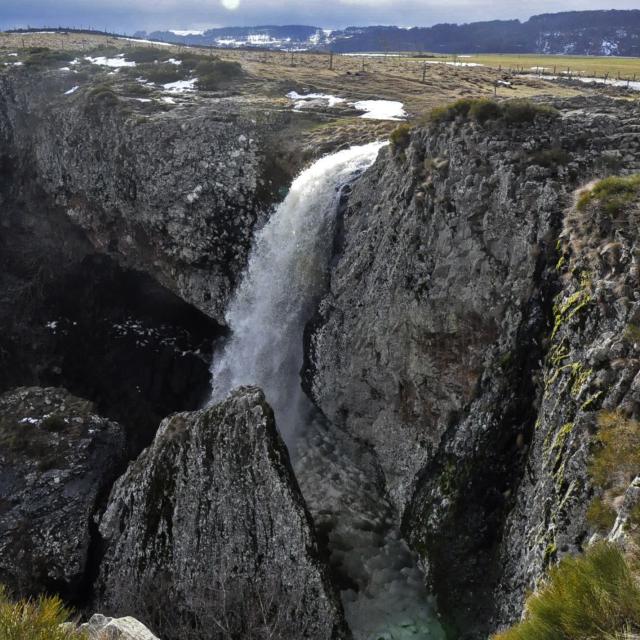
[(100, 627), (56, 459), (207, 533)]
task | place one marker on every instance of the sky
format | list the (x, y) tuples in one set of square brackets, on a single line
[(127, 16)]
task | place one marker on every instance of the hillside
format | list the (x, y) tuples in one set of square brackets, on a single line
[(611, 33)]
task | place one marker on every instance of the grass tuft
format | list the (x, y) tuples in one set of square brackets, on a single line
[(39, 619), (616, 459), (482, 110), (594, 596), (215, 74), (400, 137), (613, 194)]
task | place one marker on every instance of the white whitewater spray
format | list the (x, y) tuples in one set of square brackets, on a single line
[(286, 271), (384, 595)]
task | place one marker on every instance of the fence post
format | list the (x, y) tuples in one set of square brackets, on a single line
[(331, 61), (424, 72)]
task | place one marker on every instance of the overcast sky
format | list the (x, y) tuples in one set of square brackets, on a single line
[(131, 15)]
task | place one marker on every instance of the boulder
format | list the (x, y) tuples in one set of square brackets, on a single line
[(57, 457), (101, 627), (207, 534)]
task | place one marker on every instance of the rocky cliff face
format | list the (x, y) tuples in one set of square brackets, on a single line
[(174, 195), (57, 460), (435, 341), (207, 533)]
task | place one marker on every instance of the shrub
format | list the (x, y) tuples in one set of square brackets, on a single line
[(613, 194), (160, 73), (147, 54), (212, 74), (450, 112), (101, 96), (35, 619), (521, 110), (601, 516), (550, 157), (484, 109), (616, 460), (43, 57), (594, 596), (189, 60), (136, 89), (400, 136)]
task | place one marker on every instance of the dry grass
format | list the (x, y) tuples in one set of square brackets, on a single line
[(595, 597), (39, 619), (354, 77)]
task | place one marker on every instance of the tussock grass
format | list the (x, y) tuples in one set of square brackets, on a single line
[(400, 136), (43, 57), (160, 73), (616, 460), (483, 110), (214, 74), (143, 55), (594, 596), (39, 619), (613, 194)]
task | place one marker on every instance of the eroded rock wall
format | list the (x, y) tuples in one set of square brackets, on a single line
[(431, 341)]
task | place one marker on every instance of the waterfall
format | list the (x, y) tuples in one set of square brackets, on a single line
[(382, 588), (286, 271)]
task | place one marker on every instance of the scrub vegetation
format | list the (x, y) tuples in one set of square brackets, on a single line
[(39, 619), (595, 596)]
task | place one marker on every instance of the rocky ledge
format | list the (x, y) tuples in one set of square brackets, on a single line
[(58, 458)]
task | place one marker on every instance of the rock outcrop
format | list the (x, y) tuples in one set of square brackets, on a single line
[(100, 627), (433, 342), (57, 460), (172, 192), (207, 533)]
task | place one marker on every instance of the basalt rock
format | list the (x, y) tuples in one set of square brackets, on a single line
[(207, 533), (174, 195), (58, 459), (433, 341)]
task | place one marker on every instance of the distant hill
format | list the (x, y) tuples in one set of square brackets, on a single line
[(573, 32)]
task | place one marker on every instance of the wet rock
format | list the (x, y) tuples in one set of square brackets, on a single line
[(207, 533), (57, 459)]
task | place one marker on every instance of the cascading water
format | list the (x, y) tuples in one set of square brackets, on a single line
[(286, 271), (382, 589)]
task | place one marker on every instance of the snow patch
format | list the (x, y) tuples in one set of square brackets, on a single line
[(113, 63), (325, 99), (180, 86), (187, 32), (68, 93), (160, 44), (381, 109)]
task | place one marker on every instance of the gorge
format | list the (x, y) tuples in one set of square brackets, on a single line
[(279, 374)]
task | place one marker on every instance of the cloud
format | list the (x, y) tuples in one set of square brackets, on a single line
[(130, 15)]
